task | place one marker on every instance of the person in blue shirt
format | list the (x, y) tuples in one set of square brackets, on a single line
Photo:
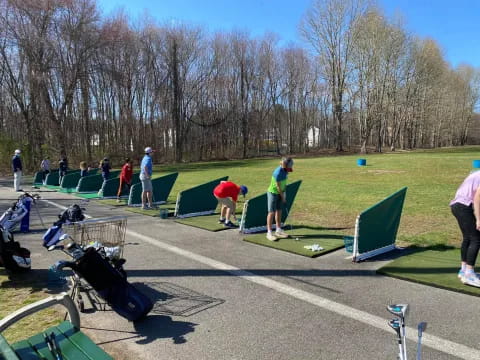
[(83, 169), (146, 171), (17, 170), (276, 198)]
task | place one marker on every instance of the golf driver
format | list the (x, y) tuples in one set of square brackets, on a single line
[(421, 328), (401, 310), (395, 325)]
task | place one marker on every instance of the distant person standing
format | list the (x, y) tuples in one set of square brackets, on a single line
[(466, 209), (276, 198), (125, 177), (105, 167), (83, 169), (17, 170), (45, 167), (146, 171), (62, 168)]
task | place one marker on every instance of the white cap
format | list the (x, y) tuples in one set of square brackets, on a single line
[(17, 152), (148, 150)]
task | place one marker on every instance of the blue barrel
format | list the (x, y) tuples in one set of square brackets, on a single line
[(362, 162), (476, 164)]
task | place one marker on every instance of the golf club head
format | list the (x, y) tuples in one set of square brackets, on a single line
[(55, 247), (398, 310), (422, 327), (395, 325)]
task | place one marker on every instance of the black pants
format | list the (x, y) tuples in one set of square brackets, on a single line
[(471, 236)]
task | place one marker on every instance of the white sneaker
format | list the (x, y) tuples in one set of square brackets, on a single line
[(281, 234), (471, 279), (271, 237)]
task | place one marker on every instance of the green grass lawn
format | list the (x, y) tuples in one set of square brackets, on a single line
[(335, 190)]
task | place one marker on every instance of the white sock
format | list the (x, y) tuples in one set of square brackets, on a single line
[(278, 230)]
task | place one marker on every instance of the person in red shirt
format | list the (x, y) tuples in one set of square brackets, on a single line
[(125, 177), (227, 194)]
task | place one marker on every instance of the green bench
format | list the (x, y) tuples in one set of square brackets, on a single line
[(73, 344)]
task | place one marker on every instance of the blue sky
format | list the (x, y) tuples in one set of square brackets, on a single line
[(454, 27)]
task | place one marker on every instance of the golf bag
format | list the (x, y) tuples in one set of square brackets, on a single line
[(12, 256), (52, 236), (72, 214), (13, 216), (111, 285)]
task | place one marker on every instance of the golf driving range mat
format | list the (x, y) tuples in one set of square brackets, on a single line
[(87, 195), (206, 222), (435, 266), (153, 212), (302, 241)]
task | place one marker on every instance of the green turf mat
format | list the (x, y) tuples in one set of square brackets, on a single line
[(437, 266), (206, 222), (306, 236), (153, 212), (87, 195)]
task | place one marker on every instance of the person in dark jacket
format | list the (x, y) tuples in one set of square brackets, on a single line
[(17, 170), (105, 167), (62, 168)]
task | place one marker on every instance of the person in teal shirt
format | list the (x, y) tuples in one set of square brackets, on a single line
[(276, 198)]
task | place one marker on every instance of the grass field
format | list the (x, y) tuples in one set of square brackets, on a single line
[(335, 189)]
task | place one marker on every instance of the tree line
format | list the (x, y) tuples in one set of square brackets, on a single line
[(74, 82)]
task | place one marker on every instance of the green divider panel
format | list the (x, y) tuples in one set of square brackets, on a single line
[(52, 178), (93, 183), (162, 186), (38, 178), (377, 226), (110, 187), (198, 200), (254, 217), (70, 181)]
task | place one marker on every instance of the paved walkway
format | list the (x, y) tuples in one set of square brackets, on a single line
[(218, 297)]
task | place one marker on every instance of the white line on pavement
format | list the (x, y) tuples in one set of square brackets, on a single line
[(429, 340), (432, 341)]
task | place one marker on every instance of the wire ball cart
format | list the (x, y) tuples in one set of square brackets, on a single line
[(106, 232)]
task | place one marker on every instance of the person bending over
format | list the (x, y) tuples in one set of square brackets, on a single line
[(227, 194)]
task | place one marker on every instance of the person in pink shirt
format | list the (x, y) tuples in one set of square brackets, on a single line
[(466, 209)]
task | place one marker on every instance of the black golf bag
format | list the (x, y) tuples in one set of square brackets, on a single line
[(72, 214), (111, 285), (13, 257)]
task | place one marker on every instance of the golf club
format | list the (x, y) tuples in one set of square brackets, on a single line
[(401, 310), (421, 328), (395, 325), (286, 212)]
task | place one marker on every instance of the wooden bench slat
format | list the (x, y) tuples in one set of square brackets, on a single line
[(25, 351), (83, 342)]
